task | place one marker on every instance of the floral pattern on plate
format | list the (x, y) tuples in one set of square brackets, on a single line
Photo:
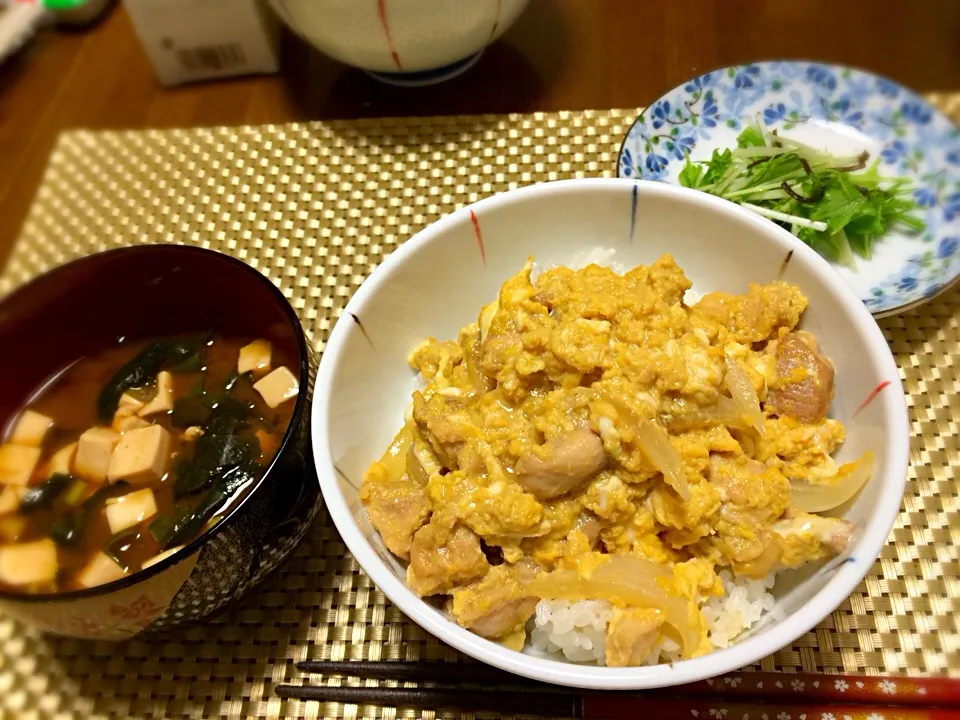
[(841, 109)]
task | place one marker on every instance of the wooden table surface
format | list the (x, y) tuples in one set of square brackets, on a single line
[(561, 54)]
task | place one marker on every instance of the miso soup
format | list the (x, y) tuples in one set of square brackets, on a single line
[(128, 455)]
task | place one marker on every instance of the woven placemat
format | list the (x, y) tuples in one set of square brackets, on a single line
[(316, 207)]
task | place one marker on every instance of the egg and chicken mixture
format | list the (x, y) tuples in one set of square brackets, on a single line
[(591, 428)]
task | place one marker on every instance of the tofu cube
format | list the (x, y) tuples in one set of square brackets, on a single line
[(162, 556), (192, 433), (99, 571), (17, 463), (128, 405), (61, 462), (31, 429), (141, 456), (254, 358), (12, 527), (130, 422), (129, 510), (10, 498), (277, 387), (269, 443), (28, 563), (163, 401), (126, 418), (94, 450)]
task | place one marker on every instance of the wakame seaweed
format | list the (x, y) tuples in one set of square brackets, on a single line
[(143, 367), (42, 496), (67, 530), (227, 442), (170, 531), (191, 410)]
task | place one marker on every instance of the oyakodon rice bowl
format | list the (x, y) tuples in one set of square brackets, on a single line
[(594, 438), (579, 464)]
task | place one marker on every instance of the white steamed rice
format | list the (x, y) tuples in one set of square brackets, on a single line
[(576, 630)]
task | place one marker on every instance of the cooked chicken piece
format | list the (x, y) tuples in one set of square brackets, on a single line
[(747, 484), (590, 525), (804, 379), (442, 421), (833, 533), (753, 495), (763, 564), (397, 505), (562, 464), (796, 539), (496, 606), (631, 635), (442, 558), (752, 317)]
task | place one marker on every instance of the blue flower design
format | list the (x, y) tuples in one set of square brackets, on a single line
[(700, 83), (774, 113), (917, 112), (654, 166), (858, 89), (709, 113), (924, 197), (736, 103), (953, 157), (787, 69), (747, 77), (845, 113), (947, 247), (907, 283), (894, 151), (887, 88), (626, 163), (681, 145), (661, 113), (951, 207), (822, 76)]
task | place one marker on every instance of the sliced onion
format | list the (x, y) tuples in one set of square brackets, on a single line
[(626, 579), (472, 359), (655, 444), (394, 460), (744, 394), (725, 412), (819, 498), (421, 462)]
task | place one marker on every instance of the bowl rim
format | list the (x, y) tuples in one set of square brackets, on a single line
[(845, 579), (234, 510)]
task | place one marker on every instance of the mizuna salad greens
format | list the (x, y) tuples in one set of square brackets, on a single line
[(839, 206)]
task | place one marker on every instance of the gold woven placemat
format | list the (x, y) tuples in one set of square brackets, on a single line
[(316, 207)]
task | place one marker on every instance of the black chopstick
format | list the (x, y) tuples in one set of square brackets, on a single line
[(439, 672), (551, 704), (916, 698), (598, 706)]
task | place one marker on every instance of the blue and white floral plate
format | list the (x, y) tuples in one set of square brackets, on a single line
[(839, 109)]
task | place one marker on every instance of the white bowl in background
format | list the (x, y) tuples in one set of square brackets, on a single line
[(404, 42), (437, 282)]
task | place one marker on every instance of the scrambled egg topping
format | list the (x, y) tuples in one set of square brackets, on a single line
[(590, 415)]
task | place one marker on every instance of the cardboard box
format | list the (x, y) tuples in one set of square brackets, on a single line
[(188, 40)]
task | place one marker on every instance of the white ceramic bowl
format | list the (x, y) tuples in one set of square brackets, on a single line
[(407, 42), (437, 282)]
